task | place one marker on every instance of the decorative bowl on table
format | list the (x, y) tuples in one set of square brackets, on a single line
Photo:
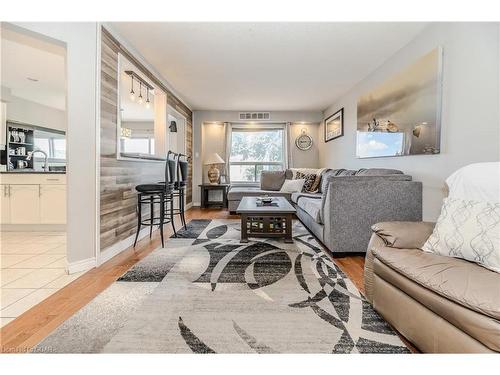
[(265, 199)]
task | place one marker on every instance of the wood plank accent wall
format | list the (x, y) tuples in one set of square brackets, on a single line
[(118, 178)]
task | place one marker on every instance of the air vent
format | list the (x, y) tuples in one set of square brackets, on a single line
[(255, 115)]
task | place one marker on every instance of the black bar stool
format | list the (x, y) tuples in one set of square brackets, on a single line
[(153, 194), (180, 186)]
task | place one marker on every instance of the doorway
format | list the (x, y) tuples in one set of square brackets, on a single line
[(33, 171)]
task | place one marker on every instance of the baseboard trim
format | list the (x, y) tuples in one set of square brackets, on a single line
[(196, 204), (123, 245), (81, 265)]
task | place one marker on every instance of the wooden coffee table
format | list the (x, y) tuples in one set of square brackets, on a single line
[(269, 221)]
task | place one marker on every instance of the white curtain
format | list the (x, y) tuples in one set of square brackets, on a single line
[(288, 145), (227, 149)]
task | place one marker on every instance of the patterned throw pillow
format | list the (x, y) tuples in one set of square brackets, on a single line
[(311, 183), (468, 230)]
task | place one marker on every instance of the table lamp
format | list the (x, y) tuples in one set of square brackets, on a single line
[(213, 172)]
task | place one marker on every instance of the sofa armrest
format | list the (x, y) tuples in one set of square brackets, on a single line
[(403, 234), (397, 235), (354, 203)]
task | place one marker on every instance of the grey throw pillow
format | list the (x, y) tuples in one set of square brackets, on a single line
[(272, 180)]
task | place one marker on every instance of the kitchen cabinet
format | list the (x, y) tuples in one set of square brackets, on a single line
[(5, 204), (24, 204), (53, 204), (33, 198)]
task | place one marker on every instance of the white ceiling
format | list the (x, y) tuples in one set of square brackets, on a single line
[(24, 56), (265, 66)]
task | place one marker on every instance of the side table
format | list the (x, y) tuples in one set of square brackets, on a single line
[(206, 188)]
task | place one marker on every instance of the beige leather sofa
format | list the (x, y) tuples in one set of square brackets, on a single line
[(440, 304)]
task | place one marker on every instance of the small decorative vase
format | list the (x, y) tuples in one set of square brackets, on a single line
[(213, 175)]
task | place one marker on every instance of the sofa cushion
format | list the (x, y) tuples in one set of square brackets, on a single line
[(458, 280), (295, 196), (328, 174), (312, 207), (377, 172), (324, 179), (481, 328), (272, 180), (235, 193)]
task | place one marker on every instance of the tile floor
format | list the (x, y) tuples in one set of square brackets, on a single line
[(33, 266)]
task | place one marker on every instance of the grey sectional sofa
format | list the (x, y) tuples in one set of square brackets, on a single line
[(348, 203)]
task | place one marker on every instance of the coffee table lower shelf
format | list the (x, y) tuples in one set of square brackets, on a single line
[(266, 225)]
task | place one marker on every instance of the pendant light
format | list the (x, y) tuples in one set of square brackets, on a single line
[(147, 98), (140, 93), (132, 93)]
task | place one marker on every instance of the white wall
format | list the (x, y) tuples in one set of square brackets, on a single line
[(308, 158), (29, 112), (209, 138), (81, 73), (470, 110)]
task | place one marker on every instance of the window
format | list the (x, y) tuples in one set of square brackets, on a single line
[(254, 151), (53, 146), (138, 145), (59, 148)]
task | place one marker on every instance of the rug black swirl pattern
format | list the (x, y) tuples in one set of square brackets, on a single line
[(207, 293)]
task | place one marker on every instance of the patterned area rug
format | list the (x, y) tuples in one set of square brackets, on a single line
[(207, 293)]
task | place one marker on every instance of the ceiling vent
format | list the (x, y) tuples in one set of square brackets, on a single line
[(255, 116)]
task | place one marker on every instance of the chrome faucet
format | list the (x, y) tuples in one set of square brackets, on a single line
[(46, 165)]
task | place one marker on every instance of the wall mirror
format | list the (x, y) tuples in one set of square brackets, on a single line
[(142, 115)]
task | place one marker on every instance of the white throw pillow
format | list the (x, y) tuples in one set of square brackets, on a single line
[(477, 182), (469, 224), (292, 186)]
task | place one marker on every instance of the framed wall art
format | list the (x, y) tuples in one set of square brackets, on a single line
[(402, 116), (334, 125)]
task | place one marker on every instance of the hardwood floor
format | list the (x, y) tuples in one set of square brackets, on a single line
[(31, 327)]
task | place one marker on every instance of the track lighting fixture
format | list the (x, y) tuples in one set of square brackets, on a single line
[(140, 99)]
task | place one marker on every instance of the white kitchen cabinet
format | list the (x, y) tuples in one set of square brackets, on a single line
[(53, 204), (24, 204), (5, 204)]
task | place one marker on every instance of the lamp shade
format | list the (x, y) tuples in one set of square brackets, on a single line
[(214, 159)]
